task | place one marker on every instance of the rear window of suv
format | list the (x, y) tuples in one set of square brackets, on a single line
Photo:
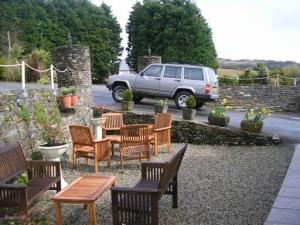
[(212, 76), (193, 74)]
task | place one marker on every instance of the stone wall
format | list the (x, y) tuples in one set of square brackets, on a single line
[(282, 98), (197, 133), (14, 129)]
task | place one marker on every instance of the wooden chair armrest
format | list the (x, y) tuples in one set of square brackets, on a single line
[(16, 203), (102, 140), (41, 168), (161, 129), (152, 170)]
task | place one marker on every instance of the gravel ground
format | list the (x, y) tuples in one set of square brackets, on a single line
[(217, 185)]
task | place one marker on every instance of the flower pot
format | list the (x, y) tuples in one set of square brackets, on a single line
[(65, 101), (251, 126), (188, 114), (127, 105), (53, 153), (221, 121), (161, 108), (74, 100)]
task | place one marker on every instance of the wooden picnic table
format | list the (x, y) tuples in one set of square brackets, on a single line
[(84, 190)]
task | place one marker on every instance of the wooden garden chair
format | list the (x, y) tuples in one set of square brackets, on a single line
[(113, 123), (85, 146), (135, 143), (160, 131)]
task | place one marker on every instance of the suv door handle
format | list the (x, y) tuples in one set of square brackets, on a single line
[(177, 80), (157, 78)]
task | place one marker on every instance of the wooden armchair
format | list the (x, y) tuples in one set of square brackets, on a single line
[(160, 131), (135, 143), (113, 123), (85, 146), (140, 204)]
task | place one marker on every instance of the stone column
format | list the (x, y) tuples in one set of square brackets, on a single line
[(144, 61)]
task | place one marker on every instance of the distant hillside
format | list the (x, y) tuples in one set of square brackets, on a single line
[(247, 63)]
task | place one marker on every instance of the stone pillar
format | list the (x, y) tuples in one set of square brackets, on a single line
[(144, 61)]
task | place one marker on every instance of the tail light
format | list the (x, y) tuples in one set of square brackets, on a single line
[(207, 89)]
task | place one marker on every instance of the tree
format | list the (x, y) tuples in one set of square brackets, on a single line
[(44, 24), (262, 72), (173, 29)]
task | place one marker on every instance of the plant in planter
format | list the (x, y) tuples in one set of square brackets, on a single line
[(97, 121), (253, 121), (189, 112), (127, 103), (218, 116), (65, 98), (74, 97), (53, 145), (161, 106)]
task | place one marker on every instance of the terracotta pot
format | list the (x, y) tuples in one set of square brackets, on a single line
[(127, 105), (74, 100), (250, 126), (188, 114), (218, 121), (65, 101)]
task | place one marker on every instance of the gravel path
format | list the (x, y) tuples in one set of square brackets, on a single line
[(217, 185)]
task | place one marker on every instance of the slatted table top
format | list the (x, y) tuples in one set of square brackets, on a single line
[(85, 189)]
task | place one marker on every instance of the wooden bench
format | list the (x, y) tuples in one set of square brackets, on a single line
[(15, 200), (139, 204)]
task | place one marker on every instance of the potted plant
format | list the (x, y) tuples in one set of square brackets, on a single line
[(218, 116), (189, 111), (97, 121), (65, 98), (74, 97), (161, 106), (127, 103), (48, 121), (253, 121)]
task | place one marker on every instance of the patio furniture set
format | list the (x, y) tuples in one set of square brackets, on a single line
[(130, 205)]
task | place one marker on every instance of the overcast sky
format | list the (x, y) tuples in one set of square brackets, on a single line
[(242, 29)]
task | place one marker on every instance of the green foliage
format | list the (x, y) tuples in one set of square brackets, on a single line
[(220, 110), (191, 102), (248, 77), (97, 111), (45, 25), (72, 90), (22, 179), (36, 155), (128, 95), (162, 102), (257, 115), (44, 80), (2, 62), (65, 91), (24, 114), (173, 29), (49, 122), (262, 72)]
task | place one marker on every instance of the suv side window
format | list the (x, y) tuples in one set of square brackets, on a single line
[(153, 71), (172, 72), (193, 74)]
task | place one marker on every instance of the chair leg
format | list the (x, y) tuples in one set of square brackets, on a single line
[(122, 167), (96, 165), (175, 192), (74, 160)]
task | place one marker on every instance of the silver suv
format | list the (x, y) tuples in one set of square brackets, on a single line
[(174, 81)]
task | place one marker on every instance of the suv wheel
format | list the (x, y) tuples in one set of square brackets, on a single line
[(180, 99), (117, 93)]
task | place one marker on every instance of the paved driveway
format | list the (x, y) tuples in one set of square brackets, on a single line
[(285, 125)]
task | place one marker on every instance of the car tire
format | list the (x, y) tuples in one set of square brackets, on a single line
[(199, 105), (117, 93), (180, 99), (137, 98)]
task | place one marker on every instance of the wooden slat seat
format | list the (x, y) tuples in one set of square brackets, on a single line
[(139, 204), (42, 176)]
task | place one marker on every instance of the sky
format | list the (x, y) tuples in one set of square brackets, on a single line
[(242, 29)]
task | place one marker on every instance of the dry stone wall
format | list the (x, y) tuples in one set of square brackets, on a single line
[(282, 98)]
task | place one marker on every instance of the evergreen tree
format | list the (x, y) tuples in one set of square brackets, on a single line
[(173, 29), (44, 24)]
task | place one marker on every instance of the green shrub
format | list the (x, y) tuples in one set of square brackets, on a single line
[(65, 91), (72, 90), (128, 95), (36, 155), (2, 62), (24, 114), (191, 102), (43, 80)]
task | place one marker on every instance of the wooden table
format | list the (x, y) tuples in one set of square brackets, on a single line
[(85, 190)]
